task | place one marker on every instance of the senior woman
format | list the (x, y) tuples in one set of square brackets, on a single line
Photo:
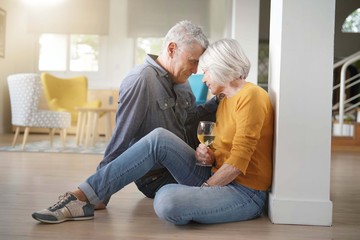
[(234, 189)]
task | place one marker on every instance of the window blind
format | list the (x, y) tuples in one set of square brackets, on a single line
[(70, 17), (153, 18)]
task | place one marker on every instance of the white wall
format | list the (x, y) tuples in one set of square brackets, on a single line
[(245, 12), (19, 54), (119, 55)]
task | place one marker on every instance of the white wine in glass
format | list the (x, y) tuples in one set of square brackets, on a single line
[(205, 133), (206, 139)]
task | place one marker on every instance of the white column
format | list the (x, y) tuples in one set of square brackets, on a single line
[(245, 29), (300, 86)]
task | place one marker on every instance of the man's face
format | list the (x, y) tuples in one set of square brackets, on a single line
[(185, 62)]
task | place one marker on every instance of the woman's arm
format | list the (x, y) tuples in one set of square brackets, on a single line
[(226, 173)]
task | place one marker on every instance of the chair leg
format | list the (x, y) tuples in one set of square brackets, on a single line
[(17, 130), (26, 134), (52, 133), (63, 134)]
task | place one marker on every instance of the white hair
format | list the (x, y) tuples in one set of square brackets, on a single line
[(186, 33), (225, 61)]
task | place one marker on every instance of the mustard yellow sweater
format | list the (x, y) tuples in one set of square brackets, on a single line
[(244, 136)]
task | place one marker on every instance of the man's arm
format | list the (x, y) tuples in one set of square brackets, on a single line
[(132, 108)]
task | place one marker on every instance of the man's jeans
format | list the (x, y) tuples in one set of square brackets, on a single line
[(177, 203)]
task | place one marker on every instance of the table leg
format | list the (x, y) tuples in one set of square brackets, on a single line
[(94, 129), (88, 128), (108, 127), (79, 127), (83, 127)]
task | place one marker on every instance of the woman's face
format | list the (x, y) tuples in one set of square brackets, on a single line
[(214, 87)]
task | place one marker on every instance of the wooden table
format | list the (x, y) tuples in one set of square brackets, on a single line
[(88, 122)]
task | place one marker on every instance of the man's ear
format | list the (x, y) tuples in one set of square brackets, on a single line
[(171, 49)]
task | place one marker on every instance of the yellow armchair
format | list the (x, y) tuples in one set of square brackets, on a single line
[(65, 94)]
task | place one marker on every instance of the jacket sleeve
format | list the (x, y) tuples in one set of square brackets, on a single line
[(131, 113)]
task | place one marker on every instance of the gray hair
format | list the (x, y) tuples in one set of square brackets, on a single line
[(225, 61), (186, 33)]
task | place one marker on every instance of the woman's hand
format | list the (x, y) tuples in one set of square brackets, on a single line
[(205, 155)]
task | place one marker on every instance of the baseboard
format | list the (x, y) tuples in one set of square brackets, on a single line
[(300, 212), (348, 141)]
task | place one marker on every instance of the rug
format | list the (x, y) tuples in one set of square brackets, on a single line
[(44, 146)]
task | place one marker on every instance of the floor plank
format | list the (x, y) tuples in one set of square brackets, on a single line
[(32, 181)]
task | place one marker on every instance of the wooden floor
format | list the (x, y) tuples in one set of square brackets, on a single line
[(33, 181)]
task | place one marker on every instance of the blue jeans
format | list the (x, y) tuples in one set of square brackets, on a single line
[(177, 203)]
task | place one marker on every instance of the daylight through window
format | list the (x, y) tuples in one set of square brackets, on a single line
[(58, 52), (145, 46), (352, 22)]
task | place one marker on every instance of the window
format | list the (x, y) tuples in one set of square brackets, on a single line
[(352, 22), (58, 52), (52, 53), (263, 64), (145, 46)]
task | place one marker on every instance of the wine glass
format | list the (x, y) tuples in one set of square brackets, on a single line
[(205, 133)]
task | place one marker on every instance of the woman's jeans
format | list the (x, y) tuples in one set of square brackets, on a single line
[(177, 203)]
